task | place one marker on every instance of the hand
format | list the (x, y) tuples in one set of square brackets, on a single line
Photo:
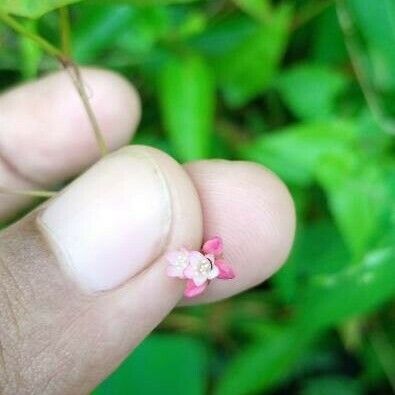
[(82, 278)]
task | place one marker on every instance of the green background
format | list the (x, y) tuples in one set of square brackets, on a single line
[(282, 83)]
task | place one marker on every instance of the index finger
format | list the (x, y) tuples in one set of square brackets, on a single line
[(46, 136)]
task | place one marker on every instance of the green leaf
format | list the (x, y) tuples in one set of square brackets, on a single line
[(327, 300), (294, 152), (355, 290), (318, 249), (263, 364), (133, 42), (187, 99), (310, 91), (358, 198), (97, 28), (328, 44), (142, 3), (32, 8), (332, 385), (162, 364), (224, 36), (248, 69), (376, 22), (31, 54), (259, 9), (37, 8)]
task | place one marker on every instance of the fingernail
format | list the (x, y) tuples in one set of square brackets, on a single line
[(111, 222)]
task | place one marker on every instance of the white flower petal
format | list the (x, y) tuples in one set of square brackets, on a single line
[(195, 258), (199, 280), (214, 273)]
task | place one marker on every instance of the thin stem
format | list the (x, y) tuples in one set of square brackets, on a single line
[(65, 30), (78, 82), (354, 52), (310, 12), (70, 67), (41, 42), (28, 192)]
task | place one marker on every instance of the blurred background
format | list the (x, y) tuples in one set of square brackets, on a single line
[(304, 87)]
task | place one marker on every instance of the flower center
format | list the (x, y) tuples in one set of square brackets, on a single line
[(205, 266)]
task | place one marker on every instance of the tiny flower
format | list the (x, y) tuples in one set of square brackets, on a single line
[(177, 263), (213, 246), (191, 290), (225, 271), (201, 268)]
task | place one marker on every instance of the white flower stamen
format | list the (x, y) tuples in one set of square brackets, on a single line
[(204, 267)]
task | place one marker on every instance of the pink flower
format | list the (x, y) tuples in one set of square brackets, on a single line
[(215, 246), (201, 268), (191, 290), (178, 261), (225, 271)]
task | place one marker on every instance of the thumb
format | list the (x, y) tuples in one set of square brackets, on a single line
[(82, 279)]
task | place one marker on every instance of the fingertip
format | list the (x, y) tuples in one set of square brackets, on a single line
[(274, 206), (47, 134), (252, 210)]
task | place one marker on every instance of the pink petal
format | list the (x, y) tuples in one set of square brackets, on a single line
[(213, 246), (174, 271), (225, 271), (191, 290)]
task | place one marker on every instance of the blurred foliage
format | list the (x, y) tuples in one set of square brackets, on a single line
[(304, 87)]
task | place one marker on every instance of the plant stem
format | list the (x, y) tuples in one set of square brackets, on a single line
[(41, 42), (70, 67), (65, 36), (354, 52), (76, 77), (28, 192)]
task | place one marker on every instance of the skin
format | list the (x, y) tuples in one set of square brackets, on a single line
[(57, 337)]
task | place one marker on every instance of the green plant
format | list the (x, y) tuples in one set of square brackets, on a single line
[(303, 87)]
